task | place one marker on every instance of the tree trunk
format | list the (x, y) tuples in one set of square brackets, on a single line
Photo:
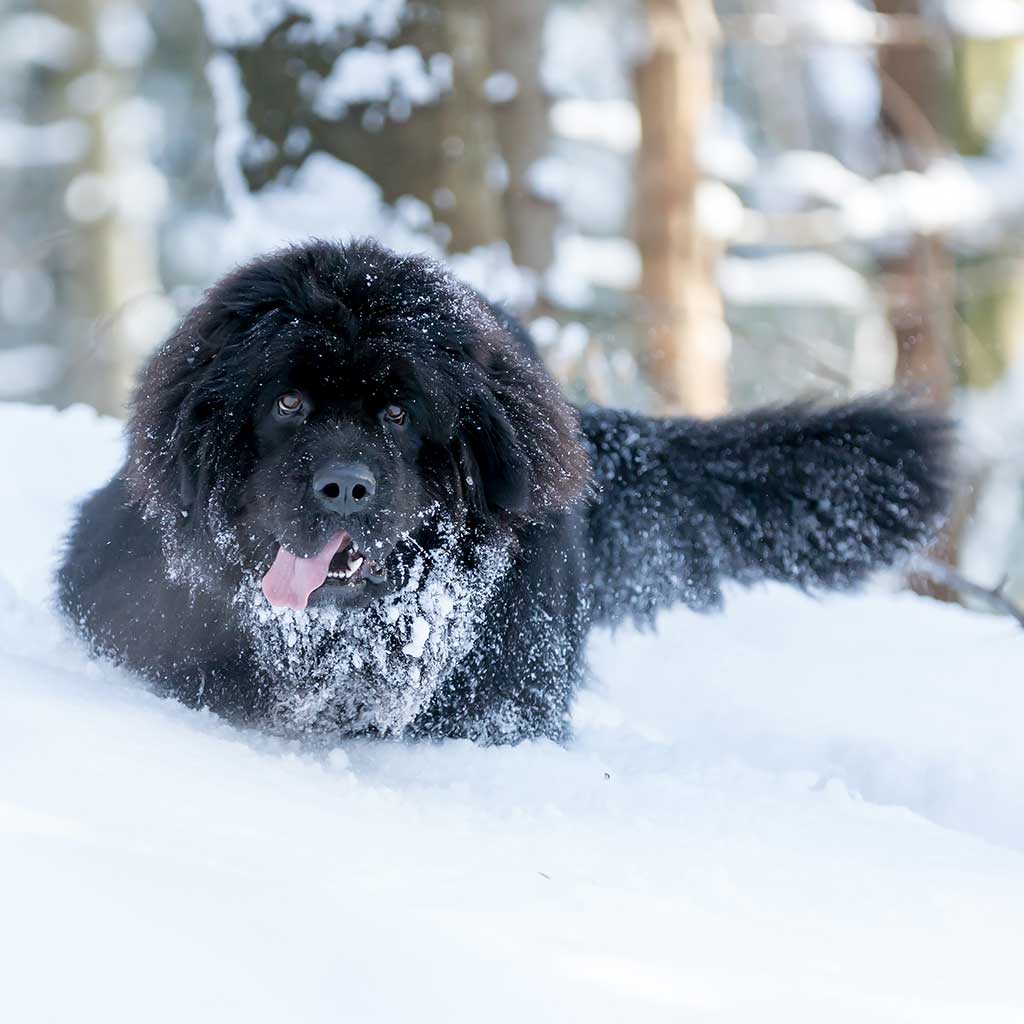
[(117, 253), (920, 279), (687, 357), (523, 131)]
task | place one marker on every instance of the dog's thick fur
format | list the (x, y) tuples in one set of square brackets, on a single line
[(513, 522)]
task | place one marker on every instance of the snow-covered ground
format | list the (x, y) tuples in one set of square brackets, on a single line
[(798, 811)]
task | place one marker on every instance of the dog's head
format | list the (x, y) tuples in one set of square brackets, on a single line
[(323, 405)]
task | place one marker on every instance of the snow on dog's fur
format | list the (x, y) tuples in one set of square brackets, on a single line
[(376, 667)]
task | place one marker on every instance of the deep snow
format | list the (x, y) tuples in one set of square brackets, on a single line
[(798, 811)]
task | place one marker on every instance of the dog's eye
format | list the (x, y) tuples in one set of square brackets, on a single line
[(290, 403), (395, 414)]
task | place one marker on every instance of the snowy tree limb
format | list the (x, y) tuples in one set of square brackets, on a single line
[(947, 576), (858, 27)]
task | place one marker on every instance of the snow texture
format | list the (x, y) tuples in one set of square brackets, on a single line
[(796, 811), (247, 22), (374, 73)]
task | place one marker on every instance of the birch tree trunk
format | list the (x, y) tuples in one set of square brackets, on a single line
[(688, 342)]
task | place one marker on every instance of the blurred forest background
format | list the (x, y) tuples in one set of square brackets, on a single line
[(695, 206)]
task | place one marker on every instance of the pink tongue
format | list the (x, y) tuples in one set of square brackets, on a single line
[(290, 580)]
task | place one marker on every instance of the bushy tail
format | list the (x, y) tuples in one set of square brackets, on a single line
[(819, 497)]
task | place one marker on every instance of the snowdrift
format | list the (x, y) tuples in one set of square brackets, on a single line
[(798, 811)]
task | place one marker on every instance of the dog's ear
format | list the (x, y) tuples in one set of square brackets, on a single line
[(495, 465), (169, 432), (518, 429)]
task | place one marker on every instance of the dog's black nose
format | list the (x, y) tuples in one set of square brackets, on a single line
[(345, 487)]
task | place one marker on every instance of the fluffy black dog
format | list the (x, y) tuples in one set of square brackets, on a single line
[(354, 499)]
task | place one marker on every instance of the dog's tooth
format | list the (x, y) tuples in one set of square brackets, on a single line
[(353, 567)]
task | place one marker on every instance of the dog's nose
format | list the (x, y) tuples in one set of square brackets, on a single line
[(345, 487)]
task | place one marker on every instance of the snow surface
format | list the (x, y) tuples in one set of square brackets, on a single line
[(797, 811)]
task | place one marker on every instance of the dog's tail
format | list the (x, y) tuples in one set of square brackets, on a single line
[(819, 497)]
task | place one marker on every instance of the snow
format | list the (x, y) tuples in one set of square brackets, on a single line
[(844, 82), (247, 22), (588, 50), (381, 665), (549, 178), (420, 632), (613, 124), (993, 19), (374, 73), (723, 151), (800, 810), (36, 38), (27, 369), (796, 175), (605, 262), (843, 22), (720, 211), (501, 87), (26, 295), (328, 198), (797, 279), (325, 197), (124, 35), (946, 197), (950, 195), (41, 145), (993, 451), (596, 123), (491, 270)]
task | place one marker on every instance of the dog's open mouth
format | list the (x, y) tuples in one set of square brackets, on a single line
[(291, 580), (350, 566)]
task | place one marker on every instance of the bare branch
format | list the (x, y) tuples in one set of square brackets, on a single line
[(867, 29), (947, 576)]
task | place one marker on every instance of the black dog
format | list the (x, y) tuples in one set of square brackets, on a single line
[(355, 500)]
